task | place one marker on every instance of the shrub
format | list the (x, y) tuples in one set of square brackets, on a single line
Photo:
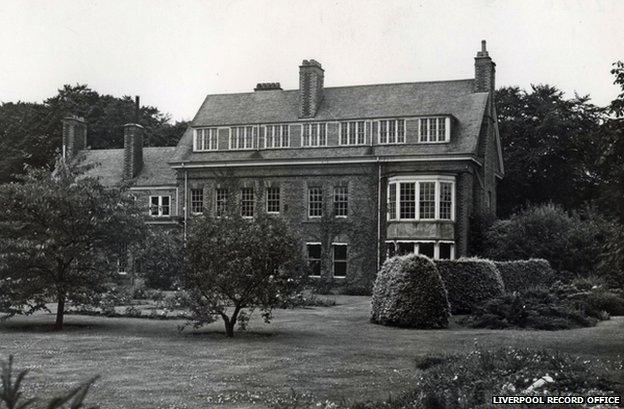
[(536, 308), (591, 295), (470, 282), (522, 274), (409, 292)]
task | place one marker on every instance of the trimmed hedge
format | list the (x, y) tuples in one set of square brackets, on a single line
[(518, 275), (470, 282), (408, 292)]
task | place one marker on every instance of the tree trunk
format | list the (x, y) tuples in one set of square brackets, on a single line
[(60, 312), (229, 329)]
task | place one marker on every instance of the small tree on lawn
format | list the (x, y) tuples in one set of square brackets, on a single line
[(61, 236), (236, 265), (162, 259)]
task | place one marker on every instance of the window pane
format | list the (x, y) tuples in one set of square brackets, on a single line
[(391, 131), (427, 200), (285, 136), (401, 131), (323, 134), (407, 200), (343, 133), (445, 250), (340, 260), (341, 201), (383, 131), (426, 249), (405, 248), (247, 202), (392, 201), (446, 200), (441, 129), (352, 133), (390, 249), (197, 200), (423, 130), (306, 135), (314, 258), (273, 199), (220, 202), (433, 131), (154, 205), (315, 202), (360, 133)]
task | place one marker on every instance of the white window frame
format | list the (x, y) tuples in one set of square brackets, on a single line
[(422, 138), (320, 259), (203, 135), (192, 202), (347, 125), (313, 127), (234, 137), (334, 202), (279, 199), (160, 206), (253, 202), (284, 139), (397, 137), (346, 261), (398, 180), (416, 248), (309, 202)]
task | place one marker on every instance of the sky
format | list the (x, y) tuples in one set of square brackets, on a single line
[(174, 53)]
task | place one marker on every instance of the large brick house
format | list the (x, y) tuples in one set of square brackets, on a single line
[(362, 172)]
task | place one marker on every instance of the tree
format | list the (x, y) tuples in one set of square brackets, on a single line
[(236, 265), (549, 148), (161, 259), (61, 236)]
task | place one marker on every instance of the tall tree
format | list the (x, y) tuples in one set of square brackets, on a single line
[(549, 147), (61, 235)]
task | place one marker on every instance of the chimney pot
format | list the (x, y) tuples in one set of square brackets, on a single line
[(311, 82), (485, 71)]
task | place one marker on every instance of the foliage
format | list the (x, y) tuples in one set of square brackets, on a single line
[(12, 396), (469, 380), (161, 259), (61, 235), (519, 275), (469, 282), (549, 148), (237, 264), (591, 295), (572, 242), (536, 308), (409, 292), (305, 299), (30, 133)]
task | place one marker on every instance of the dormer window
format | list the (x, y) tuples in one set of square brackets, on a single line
[(242, 137), (389, 131), (434, 130), (206, 139), (352, 133)]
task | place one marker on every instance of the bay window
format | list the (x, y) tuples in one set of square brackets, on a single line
[(421, 198), (433, 249)]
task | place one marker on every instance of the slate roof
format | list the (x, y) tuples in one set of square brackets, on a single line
[(109, 166), (455, 97)]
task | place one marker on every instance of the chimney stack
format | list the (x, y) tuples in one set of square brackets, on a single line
[(133, 145), (485, 70), (74, 136), (311, 76)]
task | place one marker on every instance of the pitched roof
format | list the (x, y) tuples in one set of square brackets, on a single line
[(109, 166)]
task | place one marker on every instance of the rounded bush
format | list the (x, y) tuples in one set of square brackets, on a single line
[(470, 282), (408, 292), (519, 275)]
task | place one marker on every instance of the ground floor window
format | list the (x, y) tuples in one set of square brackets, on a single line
[(221, 196), (314, 258), (197, 201), (247, 202), (431, 249), (339, 251), (160, 206)]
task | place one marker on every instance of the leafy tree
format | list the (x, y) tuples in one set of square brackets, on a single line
[(549, 148), (61, 235), (236, 265), (162, 259)]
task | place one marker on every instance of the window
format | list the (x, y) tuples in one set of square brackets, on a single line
[(405, 247), (206, 139), (221, 198), (352, 133), (390, 249), (391, 131), (241, 137), (314, 135), (407, 200), (434, 129), (341, 201), (446, 251), (446, 200), (426, 249), (421, 198), (273, 199), (392, 201), (315, 202), (247, 202), (431, 249), (427, 200), (340, 259), (197, 201), (314, 258), (160, 206), (276, 136)]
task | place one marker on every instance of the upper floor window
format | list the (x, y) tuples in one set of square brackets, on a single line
[(434, 129), (390, 131), (352, 133), (247, 202), (197, 201), (160, 206), (341, 201), (421, 198), (315, 202), (276, 136), (273, 199), (242, 137), (313, 135), (206, 139), (221, 198)]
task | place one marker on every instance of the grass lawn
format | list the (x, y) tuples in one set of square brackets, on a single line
[(331, 352)]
